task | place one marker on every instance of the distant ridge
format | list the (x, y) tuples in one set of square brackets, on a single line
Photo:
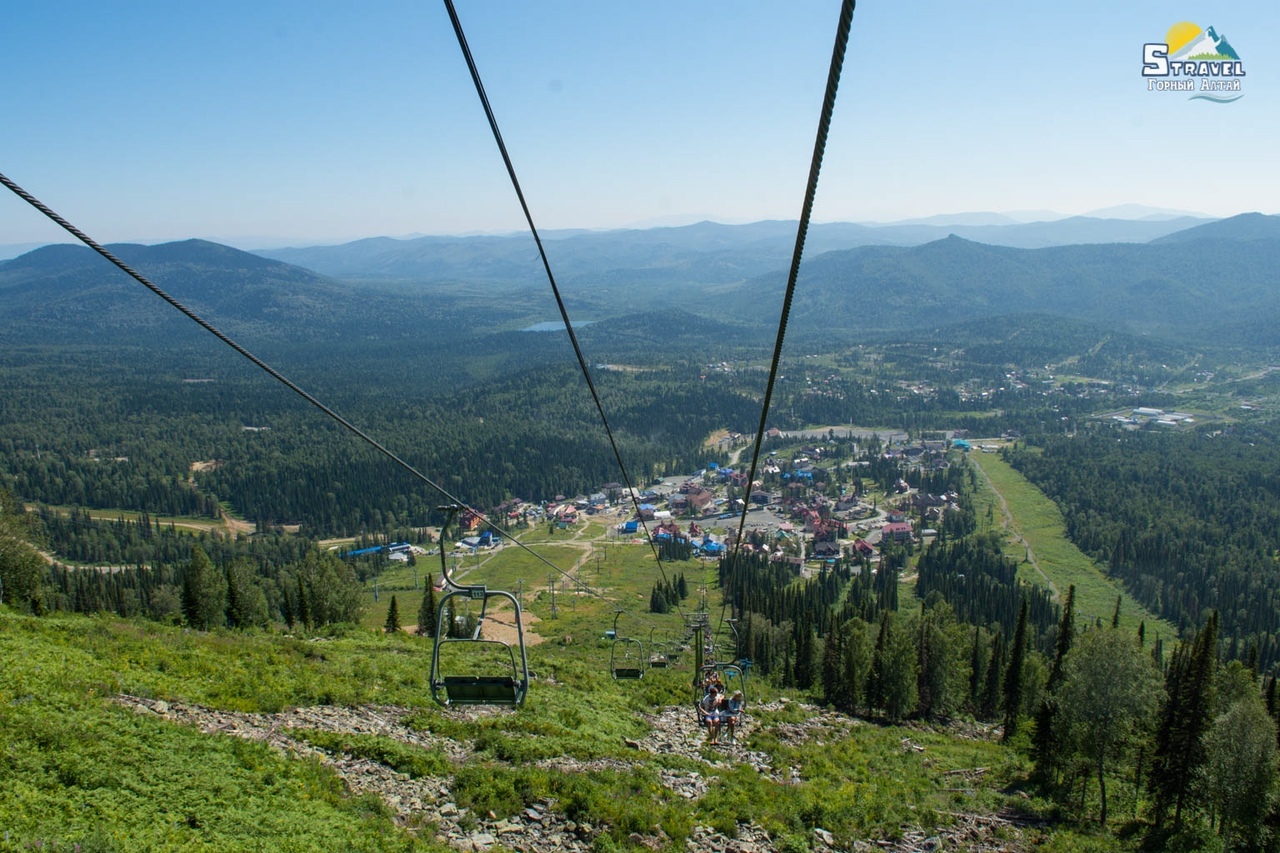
[(1169, 288), (720, 273), (704, 252), (1144, 212), (1246, 226), (68, 290)]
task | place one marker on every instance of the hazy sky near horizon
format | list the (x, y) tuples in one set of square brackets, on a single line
[(267, 124)]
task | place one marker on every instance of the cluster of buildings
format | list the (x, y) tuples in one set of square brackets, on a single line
[(795, 512), (1145, 416)]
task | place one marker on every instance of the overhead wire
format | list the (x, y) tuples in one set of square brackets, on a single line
[(811, 190), (269, 370), (555, 288)]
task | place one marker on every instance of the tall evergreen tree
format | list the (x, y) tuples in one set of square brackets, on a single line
[(991, 692), (246, 602), (427, 610), (286, 609), (834, 690), (392, 625), (1013, 675), (879, 662), (977, 671), (204, 592), (21, 565), (941, 680), (857, 665), (1047, 741), (899, 673), (804, 653), (1184, 719), (657, 601), (304, 605)]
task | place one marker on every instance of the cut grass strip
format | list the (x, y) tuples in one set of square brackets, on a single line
[(1039, 522)]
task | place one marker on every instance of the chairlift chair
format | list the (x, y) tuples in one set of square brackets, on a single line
[(732, 678), (658, 657), (508, 688), (626, 655)]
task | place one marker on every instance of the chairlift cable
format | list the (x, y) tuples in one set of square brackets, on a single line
[(811, 189), (269, 370), (555, 289)]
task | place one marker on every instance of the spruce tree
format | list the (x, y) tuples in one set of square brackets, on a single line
[(1185, 717), (392, 625), (657, 601), (427, 611), (899, 671), (833, 669), (977, 672), (1013, 675), (804, 653), (1047, 741), (286, 609), (204, 593), (451, 620), (304, 605), (857, 665), (879, 661), (234, 605), (991, 695), (21, 566)]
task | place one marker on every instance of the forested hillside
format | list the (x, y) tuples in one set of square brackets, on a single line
[(1188, 522), (1156, 288)]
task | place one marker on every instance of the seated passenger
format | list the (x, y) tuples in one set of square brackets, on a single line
[(733, 712), (710, 710)]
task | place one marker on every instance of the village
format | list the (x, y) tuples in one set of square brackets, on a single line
[(810, 506)]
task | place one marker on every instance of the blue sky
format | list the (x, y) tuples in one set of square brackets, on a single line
[(267, 124)]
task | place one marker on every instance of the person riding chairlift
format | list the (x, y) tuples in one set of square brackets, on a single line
[(733, 710), (712, 712)]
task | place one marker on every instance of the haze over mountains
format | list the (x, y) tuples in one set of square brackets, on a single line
[(1123, 223), (721, 251), (1214, 281)]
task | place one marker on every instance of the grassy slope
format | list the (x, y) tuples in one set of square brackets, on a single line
[(78, 768), (1039, 522)]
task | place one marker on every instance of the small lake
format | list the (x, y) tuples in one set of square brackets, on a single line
[(554, 326)]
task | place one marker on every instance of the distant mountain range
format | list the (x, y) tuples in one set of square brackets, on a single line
[(706, 252), (1215, 281), (1200, 286)]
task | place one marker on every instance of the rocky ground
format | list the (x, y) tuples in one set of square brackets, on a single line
[(540, 827)]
